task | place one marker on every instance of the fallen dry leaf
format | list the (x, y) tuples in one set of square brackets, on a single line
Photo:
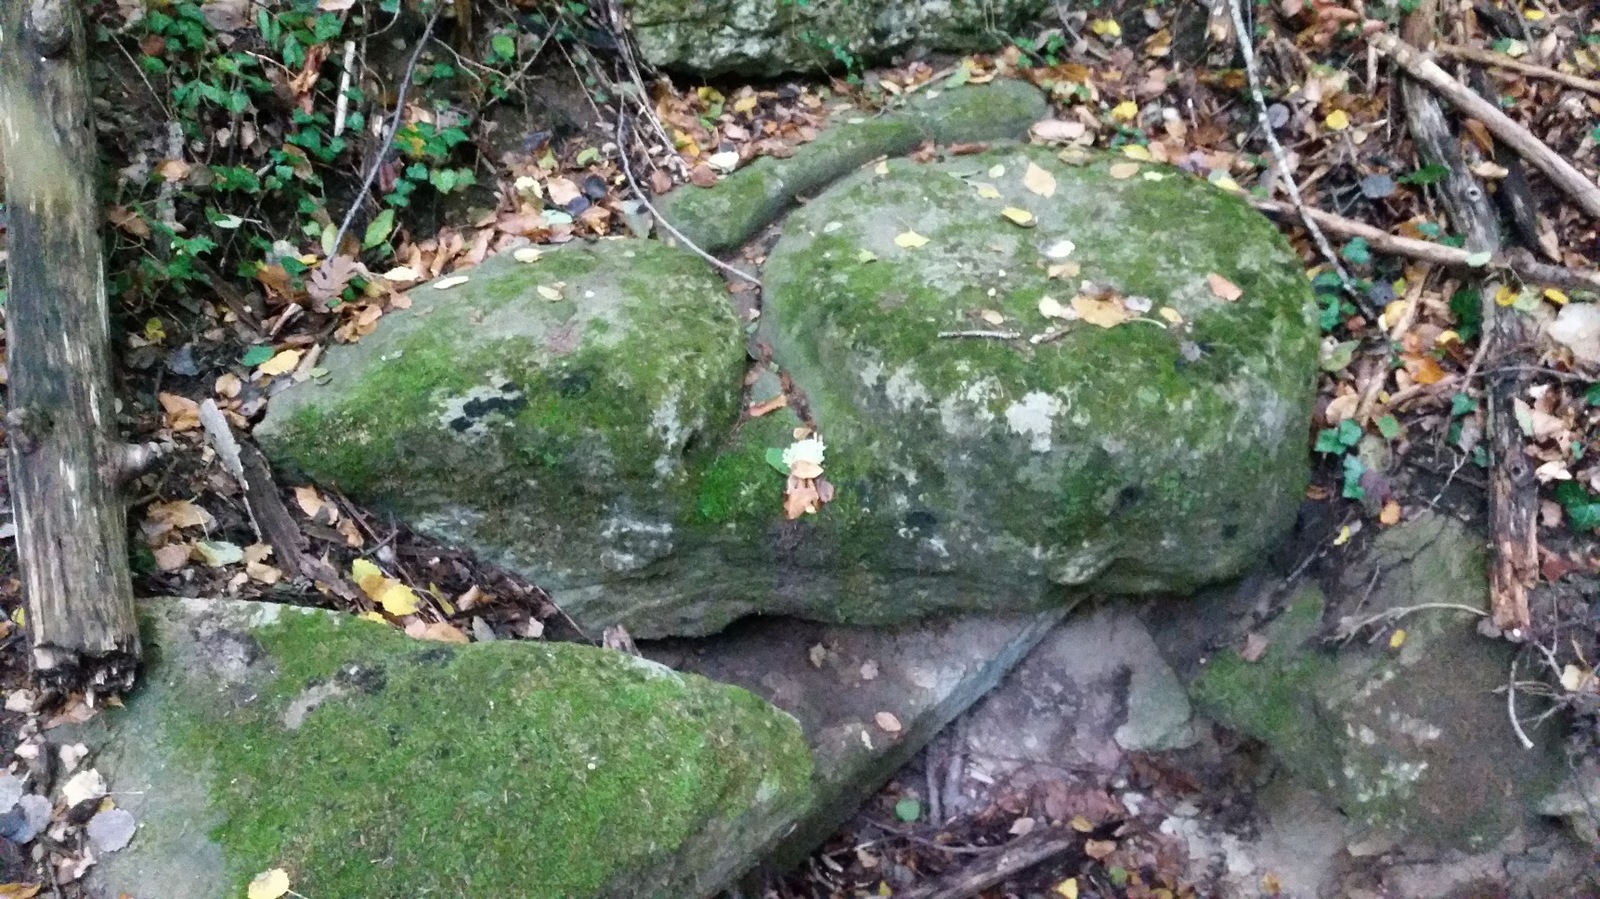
[(1039, 180), (1222, 288), (1106, 312)]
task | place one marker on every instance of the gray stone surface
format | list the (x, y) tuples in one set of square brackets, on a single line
[(1092, 691), (1406, 734), (836, 681), (726, 215), (1157, 454), (368, 764), (776, 37)]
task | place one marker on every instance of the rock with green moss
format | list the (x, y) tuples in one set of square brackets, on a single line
[(552, 415), (1402, 727), (365, 763), (725, 215), (776, 37), (970, 435)]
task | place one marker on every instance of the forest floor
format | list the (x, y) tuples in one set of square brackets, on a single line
[(240, 243)]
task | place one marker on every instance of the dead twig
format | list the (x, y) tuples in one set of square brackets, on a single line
[(1280, 158), (1584, 193), (1015, 857), (980, 335), (1502, 61), (389, 132), (1517, 262), (627, 172)]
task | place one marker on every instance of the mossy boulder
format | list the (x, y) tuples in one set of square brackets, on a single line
[(725, 215), (553, 415), (369, 764), (972, 436), (776, 37), (1383, 696)]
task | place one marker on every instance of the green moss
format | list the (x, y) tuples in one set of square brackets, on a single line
[(492, 770)]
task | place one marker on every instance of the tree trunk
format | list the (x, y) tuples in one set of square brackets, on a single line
[(66, 462)]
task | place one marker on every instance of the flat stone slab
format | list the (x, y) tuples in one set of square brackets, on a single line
[(867, 700), (365, 763)]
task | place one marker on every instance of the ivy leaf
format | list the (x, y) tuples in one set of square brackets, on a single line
[(774, 458), (378, 231), (908, 809), (1356, 252), (256, 355), (1389, 427), (1583, 510), (1353, 470)]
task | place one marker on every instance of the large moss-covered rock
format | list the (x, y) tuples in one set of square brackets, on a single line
[(775, 37), (552, 415), (1156, 455), (1402, 727), (724, 216), (369, 764)]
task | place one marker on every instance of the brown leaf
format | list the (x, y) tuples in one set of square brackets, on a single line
[(1222, 288), (702, 175), (329, 280), (800, 499), (1255, 646), (1099, 849), (183, 414), (778, 402)]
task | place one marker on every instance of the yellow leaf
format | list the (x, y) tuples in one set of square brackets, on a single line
[(19, 890), (1392, 312), (1390, 515), (1049, 307), (1344, 536), (1068, 888), (268, 884), (910, 240), (1107, 312), (987, 191), (1533, 15), (866, 256), (1170, 314), (1137, 151), (549, 292), (1081, 824), (374, 616), (1505, 296), (527, 254), (1398, 638), (1126, 111), (363, 572), (153, 331), (452, 281), (282, 363), (1227, 183), (1122, 171), (1019, 216), (1106, 27), (1039, 181), (744, 104), (1555, 296), (882, 168), (1447, 337), (992, 316), (397, 599), (1338, 120)]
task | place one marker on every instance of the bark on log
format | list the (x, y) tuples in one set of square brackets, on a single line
[(1513, 492), (66, 463)]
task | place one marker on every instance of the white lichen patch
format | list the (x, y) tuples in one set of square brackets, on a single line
[(905, 392), (633, 543), (666, 423), (966, 412), (1034, 417)]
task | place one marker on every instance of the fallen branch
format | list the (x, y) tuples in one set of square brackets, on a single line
[(1513, 493), (1008, 861), (268, 515), (1516, 262), (1502, 61), (1583, 192)]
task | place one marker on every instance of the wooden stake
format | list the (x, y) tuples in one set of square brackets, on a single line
[(66, 463)]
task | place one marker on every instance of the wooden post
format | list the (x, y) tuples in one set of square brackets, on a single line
[(66, 462)]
